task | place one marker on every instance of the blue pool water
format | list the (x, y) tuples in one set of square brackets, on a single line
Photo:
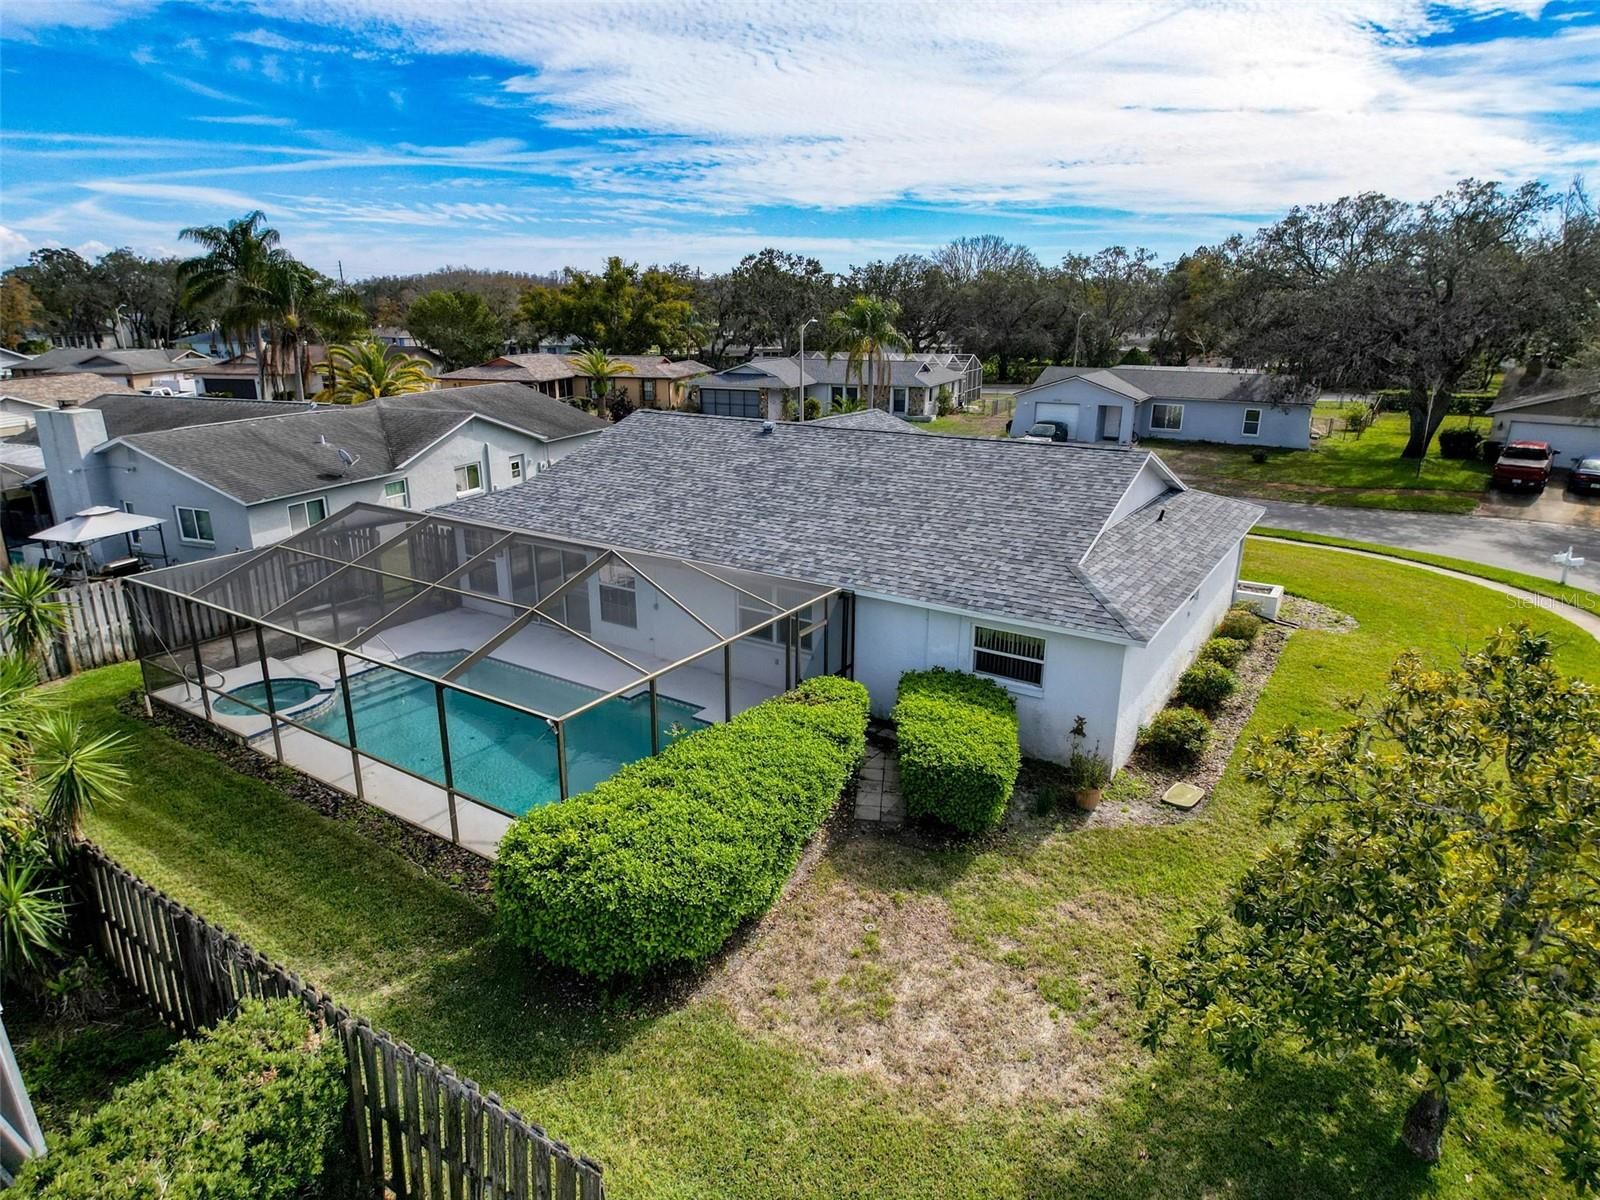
[(498, 755), (286, 694)]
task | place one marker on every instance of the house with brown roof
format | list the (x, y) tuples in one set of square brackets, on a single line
[(21, 399), (652, 381), (138, 369)]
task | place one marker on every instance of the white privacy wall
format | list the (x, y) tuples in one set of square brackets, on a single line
[(1151, 671), (1082, 676)]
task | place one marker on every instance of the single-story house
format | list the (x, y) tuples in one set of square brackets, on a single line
[(916, 384), (1087, 601), (265, 469), (1192, 404), (238, 376), (136, 369), (1568, 417), (653, 381), (10, 358)]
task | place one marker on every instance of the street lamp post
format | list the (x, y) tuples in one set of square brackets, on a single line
[(800, 404), (1076, 330)]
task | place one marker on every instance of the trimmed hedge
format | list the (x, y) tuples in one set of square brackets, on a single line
[(958, 748), (660, 863), (1205, 686), (251, 1110), (1176, 736), (1224, 650)]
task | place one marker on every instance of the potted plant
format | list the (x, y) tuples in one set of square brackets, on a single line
[(1089, 773), (1087, 770)]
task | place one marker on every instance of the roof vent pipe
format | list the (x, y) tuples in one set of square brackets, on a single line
[(767, 427)]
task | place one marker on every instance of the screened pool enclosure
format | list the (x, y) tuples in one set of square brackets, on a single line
[(459, 674)]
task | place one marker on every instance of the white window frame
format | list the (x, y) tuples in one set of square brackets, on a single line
[(127, 507), (404, 494), (619, 595), (1011, 651), (194, 514), (1244, 428), (305, 512), (750, 612), (1165, 408), (476, 468), (647, 391), (519, 468)]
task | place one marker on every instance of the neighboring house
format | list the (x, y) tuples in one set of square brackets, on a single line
[(1192, 404), (915, 387), (136, 369), (654, 381), (239, 483), (1568, 417), (11, 358), (20, 399), (237, 376), (1086, 598)]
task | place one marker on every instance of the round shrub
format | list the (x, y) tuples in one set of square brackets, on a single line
[(959, 755), (1225, 650), (251, 1110), (1205, 686), (1241, 625), (660, 863), (1176, 736)]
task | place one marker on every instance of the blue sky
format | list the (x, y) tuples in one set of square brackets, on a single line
[(407, 134)]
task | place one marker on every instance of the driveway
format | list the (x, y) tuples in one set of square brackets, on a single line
[(1555, 505), (1520, 545)]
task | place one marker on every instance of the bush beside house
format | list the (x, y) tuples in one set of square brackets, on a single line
[(959, 756), (251, 1110), (1176, 737), (662, 862)]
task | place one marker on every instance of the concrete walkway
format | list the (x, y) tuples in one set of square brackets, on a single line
[(878, 789), (1588, 621)]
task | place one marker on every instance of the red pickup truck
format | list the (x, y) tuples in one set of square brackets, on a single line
[(1524, 465)]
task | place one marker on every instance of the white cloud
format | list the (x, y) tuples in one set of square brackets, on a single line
[(247, 119)]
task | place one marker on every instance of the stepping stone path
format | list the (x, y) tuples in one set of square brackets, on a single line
[(878, 788), (1183, 795)]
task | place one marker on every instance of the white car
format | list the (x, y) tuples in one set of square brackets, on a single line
[(1047, 431)]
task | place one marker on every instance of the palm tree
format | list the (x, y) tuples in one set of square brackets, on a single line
[(302, 304), (601, 369), (864, 332), (234, 269), (367, 369)]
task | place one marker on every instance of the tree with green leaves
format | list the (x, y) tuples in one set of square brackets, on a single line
[(368, 369), (458, 327), (19, 311), (624, 309), (601, 369), (864, 332), (234, 273), (1438, 903)]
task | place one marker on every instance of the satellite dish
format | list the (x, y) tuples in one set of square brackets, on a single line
[(348, 459)]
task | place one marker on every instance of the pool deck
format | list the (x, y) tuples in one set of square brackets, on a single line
[(424, 804)]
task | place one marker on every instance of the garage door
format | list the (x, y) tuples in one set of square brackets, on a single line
[(1051, 410), (730, 402), (1568, 441)]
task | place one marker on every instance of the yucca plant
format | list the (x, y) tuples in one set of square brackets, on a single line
[(30, 614), (73, 770), (33, 917)]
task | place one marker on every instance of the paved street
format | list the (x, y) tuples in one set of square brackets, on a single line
[(1519, 545)]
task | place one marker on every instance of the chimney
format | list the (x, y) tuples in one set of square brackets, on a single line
[(66, 435)]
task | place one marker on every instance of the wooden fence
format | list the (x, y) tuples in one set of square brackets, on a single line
[(99, 631), (418, 1130)]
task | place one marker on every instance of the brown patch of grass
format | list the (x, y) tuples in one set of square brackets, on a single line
[(871, 978)]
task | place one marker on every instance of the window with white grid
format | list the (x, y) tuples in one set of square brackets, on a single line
[(1015, 656)]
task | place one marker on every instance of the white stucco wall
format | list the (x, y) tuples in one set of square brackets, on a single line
[(1089, 397), (1150, 671), (1082, 676), (1222, 421)]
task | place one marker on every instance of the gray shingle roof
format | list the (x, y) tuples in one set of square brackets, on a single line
[(111, 362), (66, 387), (1150, 562), (870, 418), (865, 509), (785, 372), (281, 456), (1192, 383), (1581, 401), (510, 403), (128, 413)]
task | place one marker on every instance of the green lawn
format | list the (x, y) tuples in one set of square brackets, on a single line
[(1364, 472), (679, 1098)]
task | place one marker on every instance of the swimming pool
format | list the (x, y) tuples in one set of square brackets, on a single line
[(498, 755), (286, 694)]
